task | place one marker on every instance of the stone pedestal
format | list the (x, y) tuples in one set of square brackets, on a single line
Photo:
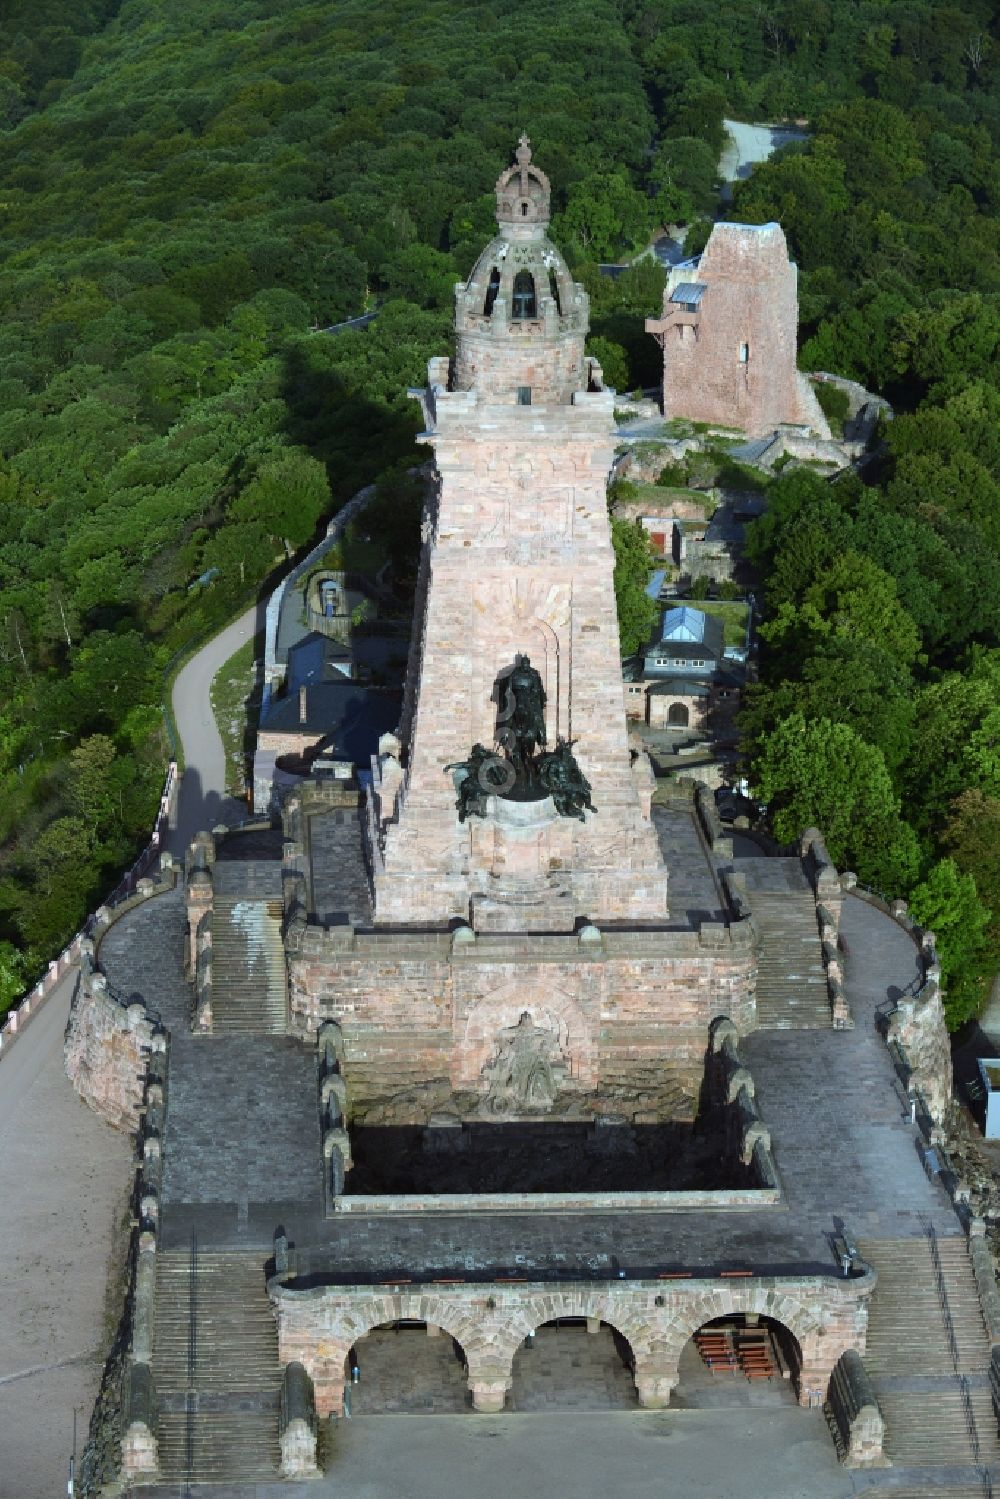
[(298, 1450)]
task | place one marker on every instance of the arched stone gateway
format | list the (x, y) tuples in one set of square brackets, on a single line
[(573, 1364), (407, 1368), (318, 1327), (806, 1327)]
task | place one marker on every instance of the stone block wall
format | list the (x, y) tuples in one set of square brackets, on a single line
[(628, 1011), (108, 1042), (318, 1327)]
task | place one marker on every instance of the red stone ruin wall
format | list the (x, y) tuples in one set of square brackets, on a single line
[(751, 299)]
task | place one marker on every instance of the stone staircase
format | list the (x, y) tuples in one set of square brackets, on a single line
[(929, 1378), (216, 1372), (791, 979), (249, 987)]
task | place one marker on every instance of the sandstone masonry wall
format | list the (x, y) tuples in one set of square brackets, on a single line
[(630, 1009), (109, 1040), (318, 1327)]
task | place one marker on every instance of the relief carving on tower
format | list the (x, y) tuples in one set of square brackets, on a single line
[(516, 1039)]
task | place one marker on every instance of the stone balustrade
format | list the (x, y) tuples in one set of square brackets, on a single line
[(333, 1099), (731, 1088)]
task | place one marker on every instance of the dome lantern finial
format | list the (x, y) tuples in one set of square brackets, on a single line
[(523, 196)]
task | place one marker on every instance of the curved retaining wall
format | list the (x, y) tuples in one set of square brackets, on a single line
[(109, 1038), (916, 1028)]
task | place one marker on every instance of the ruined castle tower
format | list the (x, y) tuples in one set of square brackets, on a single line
[(517, 562), (728, 333)]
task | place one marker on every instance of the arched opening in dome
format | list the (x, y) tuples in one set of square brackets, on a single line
[(491, 290), (524, 301), (554, 290)]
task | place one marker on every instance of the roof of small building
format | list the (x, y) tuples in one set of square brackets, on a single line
[(352, 715), (689, 293), (679, 687), (684, 625), (655, 584)]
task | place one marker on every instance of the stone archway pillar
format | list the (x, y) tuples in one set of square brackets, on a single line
[(327, 1375), (490, 1378), (489, 1392), (655, 1377)]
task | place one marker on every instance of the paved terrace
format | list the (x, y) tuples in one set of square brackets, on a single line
[(243, 1152)]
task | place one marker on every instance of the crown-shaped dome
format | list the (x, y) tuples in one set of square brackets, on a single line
[(523, 195)]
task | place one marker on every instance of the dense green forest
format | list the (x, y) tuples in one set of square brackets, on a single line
[(189, 192)]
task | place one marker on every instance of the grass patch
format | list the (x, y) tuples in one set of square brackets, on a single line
[(658, 494), (733, 615), (835, 405), (236, 699)]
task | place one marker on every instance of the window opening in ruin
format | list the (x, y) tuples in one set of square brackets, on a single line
[(524, 395), (554, 290), (744, 353), (678, 716), (524, 302), (491, 290), (524, 210)]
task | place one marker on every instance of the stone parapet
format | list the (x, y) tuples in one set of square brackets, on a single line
[(109, 1037), (715, 1200), (916, 1027), (730, 1088)]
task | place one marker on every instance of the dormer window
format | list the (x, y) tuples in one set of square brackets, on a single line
[(524, 304), (491, 291)]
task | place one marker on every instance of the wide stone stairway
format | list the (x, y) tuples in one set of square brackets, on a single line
[(215, 1367), (791, 980), (249, 991), (928, 1354)]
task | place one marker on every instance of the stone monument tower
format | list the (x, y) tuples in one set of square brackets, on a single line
[(516, 588)]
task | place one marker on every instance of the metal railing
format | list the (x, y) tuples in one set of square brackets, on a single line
[(971, 1428)]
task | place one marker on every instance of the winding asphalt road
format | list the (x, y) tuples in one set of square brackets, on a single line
[(203, 801)]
